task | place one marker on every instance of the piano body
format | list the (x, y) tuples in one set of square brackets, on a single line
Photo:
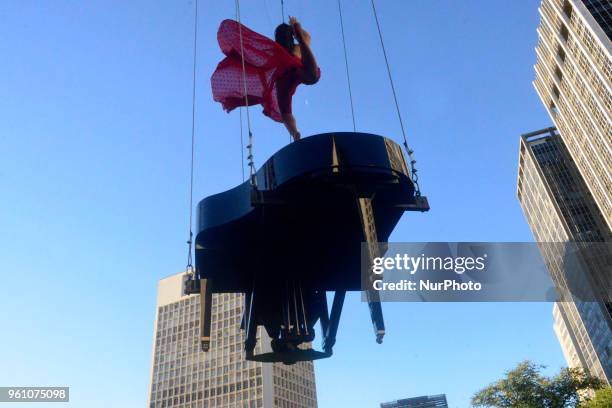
[(296, 235)]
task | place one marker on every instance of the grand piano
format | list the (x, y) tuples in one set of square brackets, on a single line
[(294, 232)]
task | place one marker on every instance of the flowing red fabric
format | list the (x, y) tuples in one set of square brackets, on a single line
[(265, 62)]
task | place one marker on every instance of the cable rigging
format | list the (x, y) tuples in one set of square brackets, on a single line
[(413, 170), (241, 144), (346, 64), (189, 267), (240, 118), (250, 159), (283, 9)]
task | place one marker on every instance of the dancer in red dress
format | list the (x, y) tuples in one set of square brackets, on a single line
[(273, 69)]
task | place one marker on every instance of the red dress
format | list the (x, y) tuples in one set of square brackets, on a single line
[(265, 61)]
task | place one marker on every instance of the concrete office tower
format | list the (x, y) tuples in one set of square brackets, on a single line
[(182, 376), (427, 401), (573, 79), (559, 208)]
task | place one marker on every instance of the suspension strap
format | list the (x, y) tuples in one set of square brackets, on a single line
[(250, 160), (346, 65), (413, 170), (189, 268)]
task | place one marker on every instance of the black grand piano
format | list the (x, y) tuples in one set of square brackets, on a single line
[(294, 233)]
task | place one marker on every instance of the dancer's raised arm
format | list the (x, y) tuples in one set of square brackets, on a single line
[(311, 69)]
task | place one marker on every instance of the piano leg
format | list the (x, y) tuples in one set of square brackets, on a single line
[(250, 324), (366, 213), (205, 313), (329, 339), (323, 312)]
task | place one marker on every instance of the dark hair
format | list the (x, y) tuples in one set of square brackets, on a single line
[(284, 36)]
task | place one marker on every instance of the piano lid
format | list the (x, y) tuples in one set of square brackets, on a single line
[(303, 219)]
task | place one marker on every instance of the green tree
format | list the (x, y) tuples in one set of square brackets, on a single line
[(603, 399), (526, 387)]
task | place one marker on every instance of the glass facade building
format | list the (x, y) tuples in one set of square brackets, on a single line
[(559, 208), (427, 401), (183, 376), (601, 10)]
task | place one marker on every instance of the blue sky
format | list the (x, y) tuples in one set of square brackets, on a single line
[(95, 120)]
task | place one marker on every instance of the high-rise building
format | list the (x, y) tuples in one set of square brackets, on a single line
[(573, 79), (427, 401), (183, 376), (565, 183), (560, 326), (559, 209)]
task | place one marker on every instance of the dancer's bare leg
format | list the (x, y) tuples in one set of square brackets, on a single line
[(289, 121), (284, 103)]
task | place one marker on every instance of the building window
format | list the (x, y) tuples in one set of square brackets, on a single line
[(561, 53), (567, 9), (553, 108), (564, 32), (556, 91), (558, 73)]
